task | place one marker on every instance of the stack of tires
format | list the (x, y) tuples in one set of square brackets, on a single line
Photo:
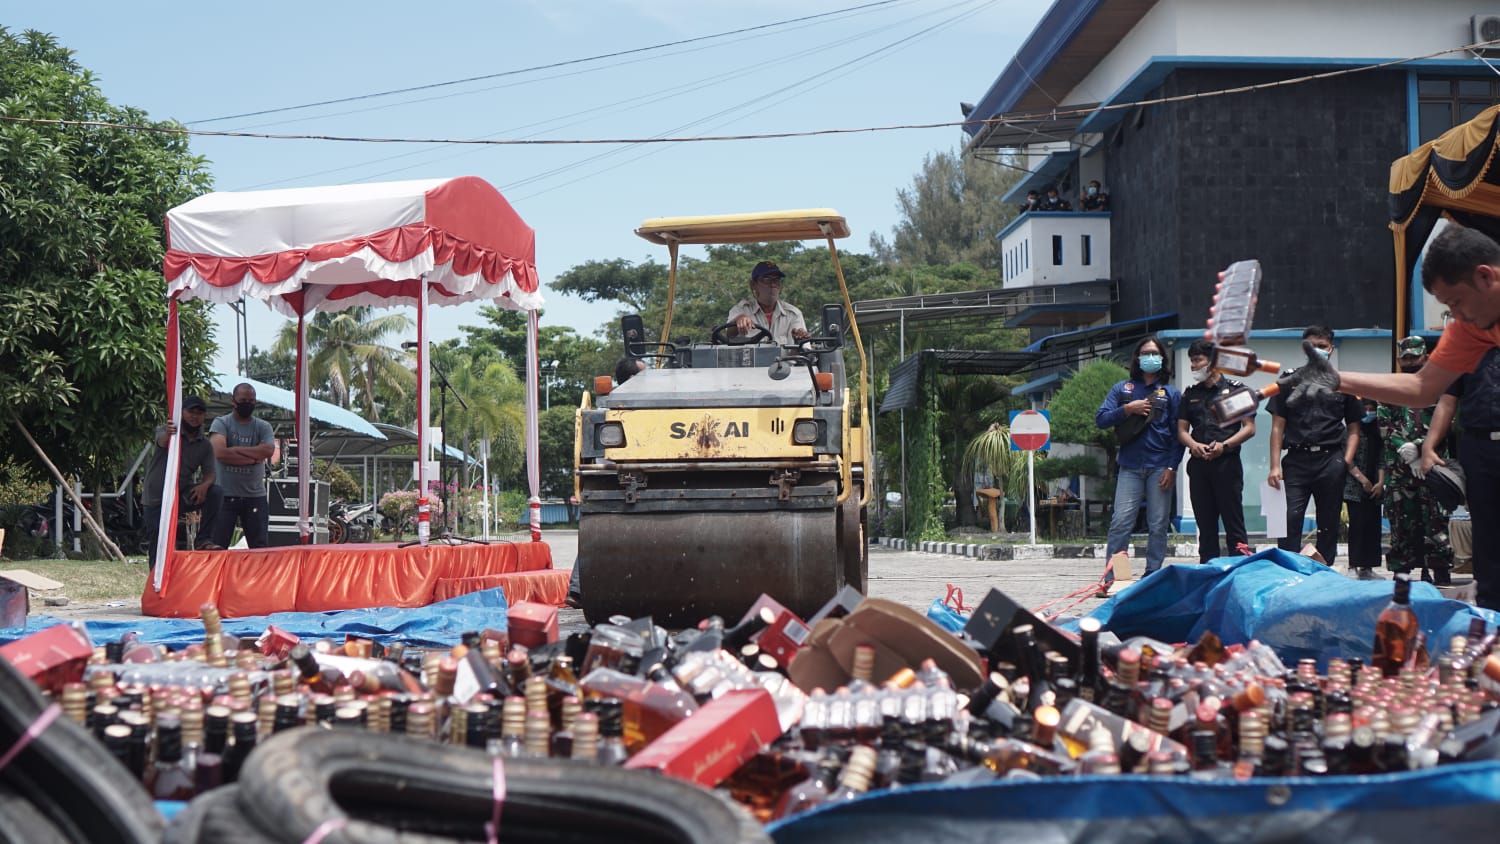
[(352, 785)]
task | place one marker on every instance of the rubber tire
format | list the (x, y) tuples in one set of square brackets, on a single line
[(22, 823), (401, 789), (68, 776), (213, 817), (338, 533)]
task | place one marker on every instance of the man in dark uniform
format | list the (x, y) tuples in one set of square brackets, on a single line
[(1320, 441), (196, 470), (1033, 202), (1216, 480), (1476, 398), (1053, 202)]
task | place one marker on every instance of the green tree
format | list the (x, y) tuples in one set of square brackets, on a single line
[(278, 369), (630, 284), (951, 213), (348, 356), (991, 451), (1074, 406), (81, 244)]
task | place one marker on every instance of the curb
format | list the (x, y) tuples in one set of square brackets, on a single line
[(1046, 552)]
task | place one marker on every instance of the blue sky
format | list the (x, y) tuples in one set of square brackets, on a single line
[(906, 62)]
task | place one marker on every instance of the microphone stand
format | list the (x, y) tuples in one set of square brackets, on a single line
[(444, 388)]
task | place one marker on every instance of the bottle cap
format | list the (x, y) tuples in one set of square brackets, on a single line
[(1270, 389)]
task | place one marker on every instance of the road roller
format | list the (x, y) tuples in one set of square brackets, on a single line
[(730, 466)]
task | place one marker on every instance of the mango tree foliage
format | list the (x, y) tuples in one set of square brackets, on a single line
[(81, 244)]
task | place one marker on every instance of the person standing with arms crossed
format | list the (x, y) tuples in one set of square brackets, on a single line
[(1143, 409), (242, 444), (1320, 436), (1216, 479)]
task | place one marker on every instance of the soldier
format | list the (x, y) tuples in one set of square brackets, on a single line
[(1419, 527)]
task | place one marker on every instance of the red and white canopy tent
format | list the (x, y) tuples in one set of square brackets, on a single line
[(304, 250)]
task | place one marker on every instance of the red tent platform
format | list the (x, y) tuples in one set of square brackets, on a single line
[(317, 578)]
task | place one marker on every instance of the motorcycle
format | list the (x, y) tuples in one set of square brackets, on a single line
[(351, 524)]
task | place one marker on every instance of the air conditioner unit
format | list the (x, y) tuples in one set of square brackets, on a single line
[(1485, 28)]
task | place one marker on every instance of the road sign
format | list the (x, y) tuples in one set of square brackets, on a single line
[(1030, 430)]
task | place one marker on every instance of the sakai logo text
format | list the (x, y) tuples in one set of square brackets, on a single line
[(685, 430)]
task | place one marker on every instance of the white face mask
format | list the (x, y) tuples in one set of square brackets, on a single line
[(1201, 375)]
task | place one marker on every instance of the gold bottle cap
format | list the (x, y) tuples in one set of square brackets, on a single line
[(861, 767), (1492, 667), (211, 623), (864, 663)]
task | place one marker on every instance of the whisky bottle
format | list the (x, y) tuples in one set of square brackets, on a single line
[(1088, 664), (585, 738), (243, 726), (170, 778), (612, 750), (512, 742), (1241, 402), (855, 780), (810, 792), (1395, 630)]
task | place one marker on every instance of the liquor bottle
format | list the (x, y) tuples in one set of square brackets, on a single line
[(243, 726), (810, 792), (1232, 310), (213, 636), (862, 669), (170, 778), (1241, 402), (1004, 755), (855, 780), (612, 750), (512, 742), (538, 734), (585, 738), (1029, 663), (740, 634), (1240, 361), (318, 677), (562, 740), (1088, 666), (649, 707), (1395, 630)]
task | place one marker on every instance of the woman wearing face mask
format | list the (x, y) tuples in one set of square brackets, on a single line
[(1143, 410), (1363, 492)]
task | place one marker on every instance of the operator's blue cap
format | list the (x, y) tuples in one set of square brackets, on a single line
[(766, 268)]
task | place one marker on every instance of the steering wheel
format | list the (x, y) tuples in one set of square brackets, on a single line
[(759, 335)]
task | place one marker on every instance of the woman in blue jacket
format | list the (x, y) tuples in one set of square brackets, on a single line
[(1148, 460)]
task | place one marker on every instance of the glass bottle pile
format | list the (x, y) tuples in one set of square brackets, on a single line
[(184, 722)]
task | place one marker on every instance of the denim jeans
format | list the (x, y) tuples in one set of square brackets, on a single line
[(1133, 486), (253, 514)]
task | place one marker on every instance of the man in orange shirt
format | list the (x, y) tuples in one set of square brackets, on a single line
[(1462, 270)]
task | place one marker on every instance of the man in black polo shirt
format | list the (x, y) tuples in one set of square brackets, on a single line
[(1216, 480), (196, 470), (1320, 440)]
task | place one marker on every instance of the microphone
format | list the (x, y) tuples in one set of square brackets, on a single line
[(410, 345)]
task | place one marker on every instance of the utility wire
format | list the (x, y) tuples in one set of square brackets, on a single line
[(535, 68), (999, 119), (592, 113)]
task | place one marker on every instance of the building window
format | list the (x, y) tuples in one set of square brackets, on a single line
[(1445, 102), (1057, 250), (1088, 250), (1025, 255)]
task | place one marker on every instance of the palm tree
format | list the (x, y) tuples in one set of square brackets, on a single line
[(991, 451), (348, 354), (496, 411)]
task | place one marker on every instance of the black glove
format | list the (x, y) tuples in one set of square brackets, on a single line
[(1316, 378)]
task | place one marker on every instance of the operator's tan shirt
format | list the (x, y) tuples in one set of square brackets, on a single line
[(784, 319)]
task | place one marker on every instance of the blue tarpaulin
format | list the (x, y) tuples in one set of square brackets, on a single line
[(435, 625), (1298, 606)]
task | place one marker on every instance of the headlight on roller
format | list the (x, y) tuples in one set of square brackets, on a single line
[(610, 435), (804, 432)]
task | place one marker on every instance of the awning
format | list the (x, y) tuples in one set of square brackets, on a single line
[(1044, 316), (904, 390), (322, 411), (342, 445), (1037, 385), (1053, 168), (1112, 332)]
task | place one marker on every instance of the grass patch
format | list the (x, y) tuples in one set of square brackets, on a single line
[(90, 580)]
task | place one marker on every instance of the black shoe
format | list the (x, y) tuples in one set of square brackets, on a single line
[(1441, 577), (574, 600)]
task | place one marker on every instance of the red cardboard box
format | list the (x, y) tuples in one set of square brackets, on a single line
[(532, 624), (51, 657), (712, 744), (786, 635)]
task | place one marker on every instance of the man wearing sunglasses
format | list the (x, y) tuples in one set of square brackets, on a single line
[(764, 309)]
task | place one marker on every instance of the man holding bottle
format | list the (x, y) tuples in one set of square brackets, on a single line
[(1216, 479)]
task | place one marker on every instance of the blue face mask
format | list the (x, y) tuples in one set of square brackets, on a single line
[(1150, 363), (1369, 417), (1323, 353)]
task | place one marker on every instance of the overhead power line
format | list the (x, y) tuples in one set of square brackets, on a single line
[(1001, 119), (535, 68)]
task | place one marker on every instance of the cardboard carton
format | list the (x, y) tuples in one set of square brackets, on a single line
[(532, 624), (713, 743), (15, 601), (901, 636), (51, 657)]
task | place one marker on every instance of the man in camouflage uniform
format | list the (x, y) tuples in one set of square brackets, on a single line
[(1419, 527)]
